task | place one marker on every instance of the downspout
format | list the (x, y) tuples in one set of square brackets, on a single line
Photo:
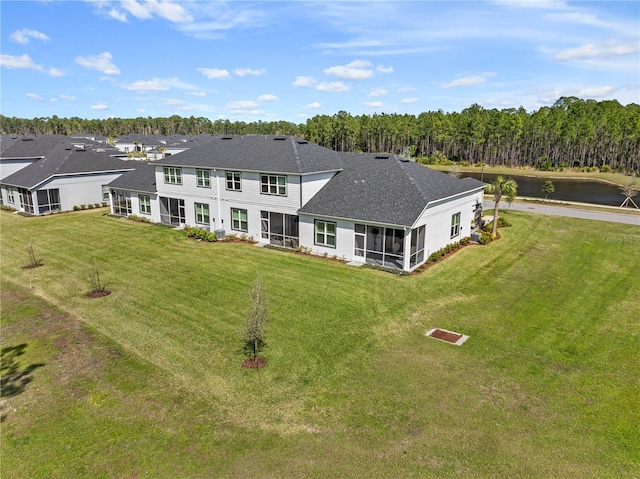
[(219, 224)]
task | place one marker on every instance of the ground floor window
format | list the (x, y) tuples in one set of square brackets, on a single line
[(280, 229), (121, 202), (417, 246), (105, 193), (455, 225), (202, 214), (380, 245), (325, 234), (48, 200), (239, 220), (26, 200), (172, 211), (10, 197), (145, 204)]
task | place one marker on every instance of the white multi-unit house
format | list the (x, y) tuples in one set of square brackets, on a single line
[(281, 190), (51, 173)]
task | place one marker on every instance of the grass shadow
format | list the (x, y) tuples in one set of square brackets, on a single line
[(14, 378)]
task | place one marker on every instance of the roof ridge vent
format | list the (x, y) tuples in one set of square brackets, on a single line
[(227, 137), (302, 142), (382, 157), (279, 138)]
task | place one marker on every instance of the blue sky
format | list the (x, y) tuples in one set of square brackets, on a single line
[(281, 60)]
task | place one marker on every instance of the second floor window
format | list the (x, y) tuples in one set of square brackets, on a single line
[(204, 178), (234, 179), (273, 185), (173, 175)]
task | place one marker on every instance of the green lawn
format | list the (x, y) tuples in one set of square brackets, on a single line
[(147, 382)]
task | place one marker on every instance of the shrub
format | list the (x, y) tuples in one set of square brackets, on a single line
[(485, 238), (76, 208), (230, 237), (200, 234), (105, 204), (605, 169), (90, 206), (83, 207), (140, 219), (7, 208), (97, 205)]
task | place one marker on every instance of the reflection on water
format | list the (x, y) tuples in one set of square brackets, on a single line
[(582, 191)]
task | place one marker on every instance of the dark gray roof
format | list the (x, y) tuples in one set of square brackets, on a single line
[(65, 159), (30, 146), (262, 153), (143, 179), (384, 189)]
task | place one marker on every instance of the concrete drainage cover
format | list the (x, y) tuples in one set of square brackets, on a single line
[(450, 337)]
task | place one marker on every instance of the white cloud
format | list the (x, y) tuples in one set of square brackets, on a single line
[(383, 69), (24, 35), (313, 106), (101, 62), (214, 73), (117, 15), (408, 101), (468, 81), (196, 93), (248, 71), (173, 102), (24, 62), (356, 70), (144, 10), (373, 104), (35, 97), (591, 51), (55, 72), (236, 105), (333, 86), (377, 92), (99, 106), (267, 97), (68, 97), (158, 84), (53, 100), (21, 62), (303, 81)]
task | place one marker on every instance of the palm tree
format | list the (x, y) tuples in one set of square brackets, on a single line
[(498, 187)]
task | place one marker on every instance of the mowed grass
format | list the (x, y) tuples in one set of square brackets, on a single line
[(147, 382)]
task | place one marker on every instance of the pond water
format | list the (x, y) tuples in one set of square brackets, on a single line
[(582, 191)]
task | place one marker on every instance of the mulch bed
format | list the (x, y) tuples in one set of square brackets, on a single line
[(250, 363), (31, 266), (98, 294)]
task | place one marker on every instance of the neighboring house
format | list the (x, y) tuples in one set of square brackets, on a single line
[(56, 175), (281, 190)]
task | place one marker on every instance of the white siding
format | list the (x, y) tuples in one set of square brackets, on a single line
[(313, 183), (344, 237), (10, 166), (79, 189), (221, 200), (437, 218)]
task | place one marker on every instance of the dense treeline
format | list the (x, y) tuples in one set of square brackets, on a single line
[(571, 133)]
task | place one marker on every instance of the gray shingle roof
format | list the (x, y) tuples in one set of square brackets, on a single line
[(64, 159), (142, 179), (261, 153), (384, 189), (30, 146)]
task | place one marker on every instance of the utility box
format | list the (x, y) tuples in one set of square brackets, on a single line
[(220, 234)]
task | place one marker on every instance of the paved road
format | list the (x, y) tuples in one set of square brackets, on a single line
[(574, 212)]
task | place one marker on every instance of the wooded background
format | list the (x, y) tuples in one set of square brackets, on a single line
[(572, 133)]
